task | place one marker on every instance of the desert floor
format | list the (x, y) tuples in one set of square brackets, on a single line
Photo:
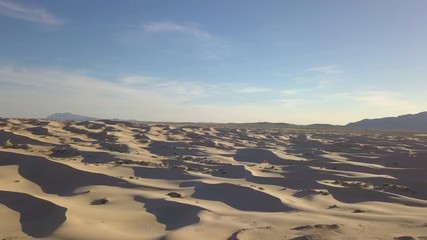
[(117, 180)]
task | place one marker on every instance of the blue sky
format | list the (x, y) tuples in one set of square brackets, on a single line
[(296, 61)]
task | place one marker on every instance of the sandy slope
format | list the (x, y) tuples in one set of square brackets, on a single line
[(111, 180)]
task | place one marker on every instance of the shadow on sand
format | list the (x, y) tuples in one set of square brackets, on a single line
[(39, 218)]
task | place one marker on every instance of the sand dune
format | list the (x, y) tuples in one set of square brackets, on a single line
[(120, 180)]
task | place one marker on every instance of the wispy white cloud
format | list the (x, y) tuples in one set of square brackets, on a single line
[(208, 45), (138, 80), (253, 90), (27, 12), (214, 49), (185, 91), (324, 76), (291, 102), (72, 82), (294, 91), (360, 104), (332, 69), (171, 27), (40, 92), (29, 92), (389, 100), (164, 27)]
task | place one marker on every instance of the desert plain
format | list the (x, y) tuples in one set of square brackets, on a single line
[(125, 180)]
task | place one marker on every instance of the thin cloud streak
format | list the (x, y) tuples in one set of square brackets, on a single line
[(208, 45), (252, 90), (171, 27), (138, 80), (28, 13), (385, 99), (294, 91), (333, 69)]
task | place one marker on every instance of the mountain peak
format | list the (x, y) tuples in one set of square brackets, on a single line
[(68, 116), (408, 122)]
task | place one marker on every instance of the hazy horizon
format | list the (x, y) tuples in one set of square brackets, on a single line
[(148, 120), (299, 62)]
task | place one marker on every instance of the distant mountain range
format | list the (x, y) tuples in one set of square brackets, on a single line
[(410, 122), (67, 116)]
